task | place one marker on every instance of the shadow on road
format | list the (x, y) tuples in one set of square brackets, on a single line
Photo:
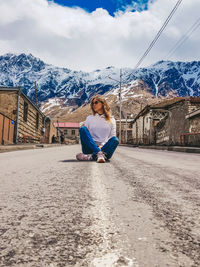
[(69, 160), (75, 160)]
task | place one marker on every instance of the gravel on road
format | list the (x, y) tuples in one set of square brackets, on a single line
[(140, 209)]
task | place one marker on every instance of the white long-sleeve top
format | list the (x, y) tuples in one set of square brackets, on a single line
[(100, 129)]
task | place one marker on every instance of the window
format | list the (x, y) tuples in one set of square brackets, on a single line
[(65, 132), (73, 132), (147, 120), (37, 121), (25, 111)]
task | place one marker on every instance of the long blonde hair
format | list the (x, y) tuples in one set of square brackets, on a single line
[(106, 108)]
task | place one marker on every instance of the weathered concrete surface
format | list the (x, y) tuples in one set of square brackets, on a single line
[(174, 148), (140, 209), (10, 148)]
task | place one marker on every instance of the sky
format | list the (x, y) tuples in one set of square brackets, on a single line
[(111, 6), (89, 35)]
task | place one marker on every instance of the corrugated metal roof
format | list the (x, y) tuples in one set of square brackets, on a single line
[(168, 102), (67, 124), (194, 99)]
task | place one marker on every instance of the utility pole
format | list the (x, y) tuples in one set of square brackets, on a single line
[(120, 107), (126, 120), (57, 127), (120, 104), (17, 117), (35, 94)]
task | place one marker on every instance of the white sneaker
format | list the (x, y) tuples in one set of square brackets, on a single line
[(84, 157), (101, 157)]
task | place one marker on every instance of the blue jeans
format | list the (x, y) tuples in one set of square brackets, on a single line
[(89, 146)]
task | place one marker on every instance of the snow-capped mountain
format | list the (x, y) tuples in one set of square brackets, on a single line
[(76, 87)]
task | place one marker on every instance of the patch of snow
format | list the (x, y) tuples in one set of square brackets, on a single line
[(52, 102)]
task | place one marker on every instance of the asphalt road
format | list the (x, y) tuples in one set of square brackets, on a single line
[(140, 209)]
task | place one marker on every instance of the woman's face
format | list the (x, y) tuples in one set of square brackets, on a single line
[(97, 106)]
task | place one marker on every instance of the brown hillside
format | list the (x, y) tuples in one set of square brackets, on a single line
[(133, 100)]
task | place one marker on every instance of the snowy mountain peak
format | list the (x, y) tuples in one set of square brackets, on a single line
[(76, 87)]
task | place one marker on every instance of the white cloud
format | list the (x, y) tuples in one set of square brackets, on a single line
[(73, 38)]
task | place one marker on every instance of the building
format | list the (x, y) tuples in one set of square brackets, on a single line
[(20, 119), (165, 122), (126, 130), (50, 131), (69, 129), (192, 138)]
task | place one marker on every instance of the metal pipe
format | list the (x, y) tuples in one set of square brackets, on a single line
[(35, 93), (120, 107), (126, 121), (44, 130), (17, 116)]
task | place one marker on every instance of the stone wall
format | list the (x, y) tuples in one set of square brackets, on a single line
[(194, 124), (167, 131), (170, 129), (177, 124), (194, 129), (142, 130)]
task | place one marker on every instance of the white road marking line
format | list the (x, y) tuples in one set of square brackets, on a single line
[(101, 211)]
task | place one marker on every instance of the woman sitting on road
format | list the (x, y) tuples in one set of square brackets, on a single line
[(98, 136)]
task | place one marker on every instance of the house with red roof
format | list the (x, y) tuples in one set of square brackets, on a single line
[(69, 129)]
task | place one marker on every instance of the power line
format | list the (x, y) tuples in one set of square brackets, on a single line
[(184, 38), (159, 33)]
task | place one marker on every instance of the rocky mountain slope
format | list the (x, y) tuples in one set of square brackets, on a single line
[(61, 91), (134, 97)]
